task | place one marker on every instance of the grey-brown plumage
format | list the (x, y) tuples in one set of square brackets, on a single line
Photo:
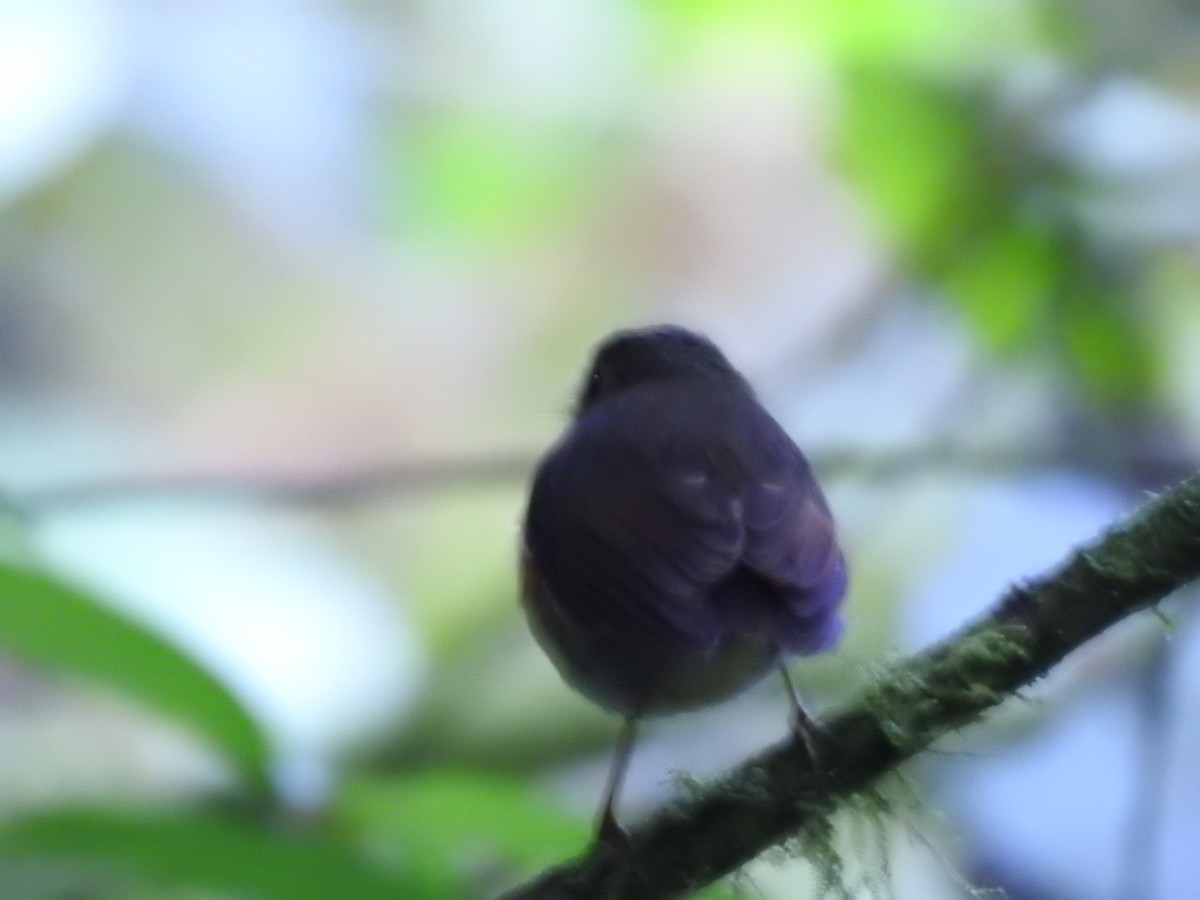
[(676, 544)]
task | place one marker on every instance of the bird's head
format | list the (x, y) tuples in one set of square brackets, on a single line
[(632, 358)]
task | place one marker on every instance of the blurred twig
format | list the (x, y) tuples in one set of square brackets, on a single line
[(386, 482), (344, 489), (1138, 869), (1143, 831), (779, 794)]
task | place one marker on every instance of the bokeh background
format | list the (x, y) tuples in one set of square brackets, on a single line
[(292, 294)]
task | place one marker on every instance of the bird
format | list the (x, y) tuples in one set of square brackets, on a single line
[(676, 546)]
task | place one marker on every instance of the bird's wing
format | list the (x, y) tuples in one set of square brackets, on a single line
[(629, 544), (790, 545)]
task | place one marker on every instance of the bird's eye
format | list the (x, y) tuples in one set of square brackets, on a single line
[(596, 383)]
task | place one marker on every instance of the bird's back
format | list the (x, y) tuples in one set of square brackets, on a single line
[(676, 544)]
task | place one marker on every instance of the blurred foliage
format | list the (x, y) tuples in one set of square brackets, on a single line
[(412, 837), (973, 205), (491, 182), (446, 817), (978, 208), (878, 28), (152, 853), (47, 624)]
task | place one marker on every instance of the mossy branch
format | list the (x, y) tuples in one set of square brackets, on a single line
[(777, 794)]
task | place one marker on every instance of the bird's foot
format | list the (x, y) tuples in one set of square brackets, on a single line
[(805, 728), (809, 732), (612, 838)]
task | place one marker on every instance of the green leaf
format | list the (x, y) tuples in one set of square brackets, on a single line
[(866, 29), (1109, 348), (491, 179), (52, 625), (1005, 284), (912, 147), (1102, 322), (457, 817), (212, 854), (454, 816)]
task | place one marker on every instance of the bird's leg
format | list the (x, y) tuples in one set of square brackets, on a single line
[(804, 726), (609, 832)]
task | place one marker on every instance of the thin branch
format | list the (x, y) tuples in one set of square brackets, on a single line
[(778, 794), (345, 489), (386, 482), (1143, 831)]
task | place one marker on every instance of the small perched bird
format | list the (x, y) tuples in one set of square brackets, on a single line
[(676, 545)]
